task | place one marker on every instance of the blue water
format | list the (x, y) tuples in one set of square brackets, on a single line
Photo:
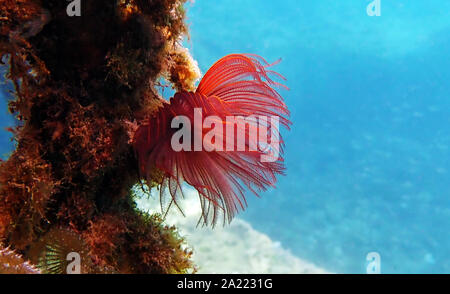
[(368, 156), (6, 120)]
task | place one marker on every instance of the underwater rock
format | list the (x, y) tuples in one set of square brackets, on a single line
[(80, 83)]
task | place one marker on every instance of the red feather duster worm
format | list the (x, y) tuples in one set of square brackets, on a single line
[(227, 147)]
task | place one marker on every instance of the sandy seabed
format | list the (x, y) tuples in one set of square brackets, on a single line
[(235, 248)]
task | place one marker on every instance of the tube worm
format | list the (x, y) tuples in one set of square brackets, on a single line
[(236, 86)]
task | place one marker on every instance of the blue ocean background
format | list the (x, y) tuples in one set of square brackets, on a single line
[(368, 155), (6, 119)]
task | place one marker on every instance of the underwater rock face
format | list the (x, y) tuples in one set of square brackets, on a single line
[(81, 83)]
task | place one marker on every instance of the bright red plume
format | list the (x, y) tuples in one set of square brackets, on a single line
[(236, 85)]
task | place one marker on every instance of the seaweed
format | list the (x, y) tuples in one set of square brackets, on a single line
[(13, 263), (81, 83)]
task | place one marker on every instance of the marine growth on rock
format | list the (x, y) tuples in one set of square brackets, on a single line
[(91, 125)]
